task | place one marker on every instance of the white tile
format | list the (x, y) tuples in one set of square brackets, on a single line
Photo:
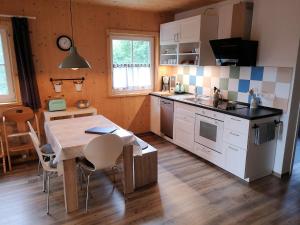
[(282, 90), (199, 81), (207, 91), (270, 74), (245, 73), (191, 89), (215, 71), (186, 79), (243, 97), (207, 71), (233, 85), (256, 85), (215, 82), (180, 69), (224, 94), (224, 71), (193, 70), (267, 100)]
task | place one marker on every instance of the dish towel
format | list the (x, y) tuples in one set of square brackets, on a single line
[(265, 132)]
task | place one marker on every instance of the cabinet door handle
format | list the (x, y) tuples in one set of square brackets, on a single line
[(234, 149), (174, 37), (234, 134), (234, 119)]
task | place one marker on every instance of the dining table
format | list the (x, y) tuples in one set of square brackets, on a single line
[(67, 137)]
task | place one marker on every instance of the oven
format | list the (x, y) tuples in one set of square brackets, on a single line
[(209, 132)]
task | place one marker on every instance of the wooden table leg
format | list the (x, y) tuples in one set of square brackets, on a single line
[(70, 185), (128, 182)]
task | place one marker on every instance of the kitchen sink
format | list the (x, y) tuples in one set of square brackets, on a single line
[(198, 99)]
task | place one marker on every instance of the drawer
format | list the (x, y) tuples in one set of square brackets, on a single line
[(185, 118), (235, 160), (185, 123), (236, 124), (201, 151), (184, 109), (211, 114), (210, 155), (235, 138)]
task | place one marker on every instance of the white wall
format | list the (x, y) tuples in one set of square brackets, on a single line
[(276, 25)]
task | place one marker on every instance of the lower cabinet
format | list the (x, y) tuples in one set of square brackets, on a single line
[(209, 155), (184, 132), (235, 160), (155, 114), (184, 123)]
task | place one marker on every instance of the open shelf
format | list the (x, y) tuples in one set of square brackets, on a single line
[(190, 53)]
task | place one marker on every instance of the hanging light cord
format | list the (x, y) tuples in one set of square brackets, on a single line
[(72, 23)]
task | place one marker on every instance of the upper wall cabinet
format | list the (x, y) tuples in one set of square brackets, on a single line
[(186, 30), (190, 30), (169, 32), (186, 41)]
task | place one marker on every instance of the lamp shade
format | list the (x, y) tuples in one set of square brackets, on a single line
[(74, 61)]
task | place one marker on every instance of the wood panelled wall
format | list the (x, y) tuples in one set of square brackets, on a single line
[(90, 25)]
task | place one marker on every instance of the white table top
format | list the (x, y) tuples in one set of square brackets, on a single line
[(68, 138)]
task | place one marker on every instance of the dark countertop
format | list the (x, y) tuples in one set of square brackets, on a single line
[(245, 113)]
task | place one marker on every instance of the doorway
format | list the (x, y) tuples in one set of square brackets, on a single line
[(297, 149)]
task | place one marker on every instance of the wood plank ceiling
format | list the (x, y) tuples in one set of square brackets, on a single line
[(154, 5)]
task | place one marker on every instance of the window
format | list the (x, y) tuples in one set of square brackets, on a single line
[(131, 64), (7, 92)]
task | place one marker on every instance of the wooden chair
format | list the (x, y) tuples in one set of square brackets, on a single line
[(2, 155), (15, 129)]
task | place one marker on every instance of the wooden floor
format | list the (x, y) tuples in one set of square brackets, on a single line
[(189, 191)]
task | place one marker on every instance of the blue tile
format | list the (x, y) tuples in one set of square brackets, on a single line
[(257, 73), (192, 80), (199, 90), (200, 71), (244, 85)]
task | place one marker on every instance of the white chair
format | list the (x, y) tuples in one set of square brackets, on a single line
[(49, 168), (46, 149), (100, 153)]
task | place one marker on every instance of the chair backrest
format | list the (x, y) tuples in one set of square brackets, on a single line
[(103, 151), (36, 144), (36, 138), (20, 115)]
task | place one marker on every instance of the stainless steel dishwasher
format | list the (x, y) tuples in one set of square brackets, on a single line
[(166, 117)]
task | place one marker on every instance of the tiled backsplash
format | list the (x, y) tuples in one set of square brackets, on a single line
[(271, 83)]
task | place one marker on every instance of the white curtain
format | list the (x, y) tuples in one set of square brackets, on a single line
[(131, 77)]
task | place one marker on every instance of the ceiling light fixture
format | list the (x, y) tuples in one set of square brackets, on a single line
[(74, 61)]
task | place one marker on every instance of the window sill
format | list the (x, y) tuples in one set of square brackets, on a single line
[(9, 104), (129, 94)]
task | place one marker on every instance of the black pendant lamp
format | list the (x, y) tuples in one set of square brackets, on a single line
[(74, 61)]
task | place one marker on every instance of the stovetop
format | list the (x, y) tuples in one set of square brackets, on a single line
[(224, 105)]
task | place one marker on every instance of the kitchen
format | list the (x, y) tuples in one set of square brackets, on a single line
[(208, 90)]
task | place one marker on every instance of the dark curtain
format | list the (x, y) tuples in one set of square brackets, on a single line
[(27, 77)]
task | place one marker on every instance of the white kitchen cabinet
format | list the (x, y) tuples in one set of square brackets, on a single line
[(239, 156), (235, 160), (155, 114), (169, 33), (184, 123), (191, 37), (189, 30)]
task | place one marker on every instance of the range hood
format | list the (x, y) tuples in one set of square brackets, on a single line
[(234, 51), (237, 49)]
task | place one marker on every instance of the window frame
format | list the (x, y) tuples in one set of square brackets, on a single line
[(10, 66), (132, 35)]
